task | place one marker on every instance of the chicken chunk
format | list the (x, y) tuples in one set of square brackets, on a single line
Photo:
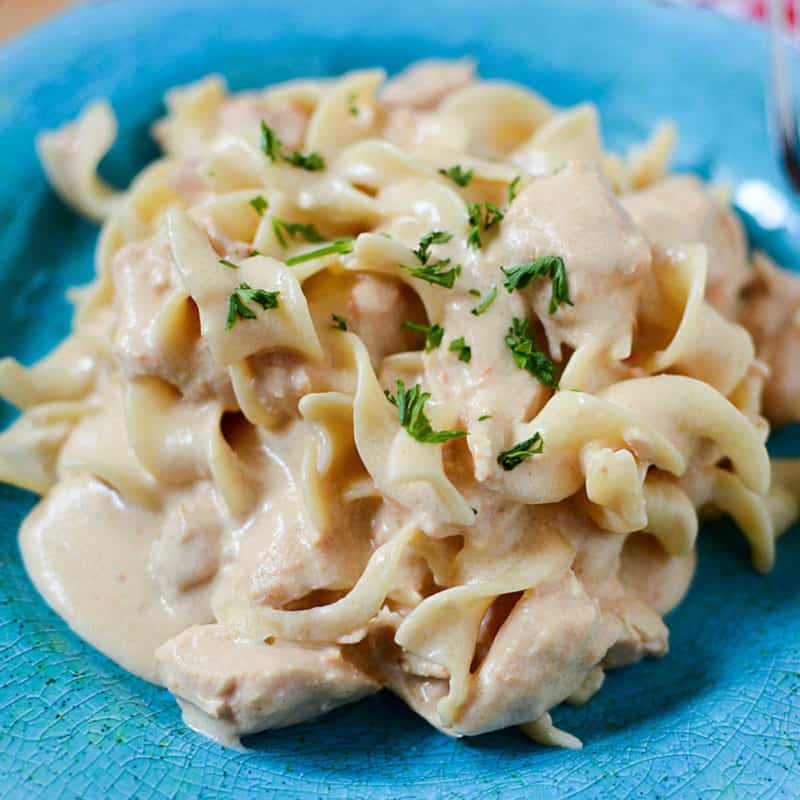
[(575, 215), (771, 312), (542, 654), (146, 342), (679, 210), (250, 686)]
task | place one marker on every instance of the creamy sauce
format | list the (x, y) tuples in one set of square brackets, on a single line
[(88, 554), (231, 507)]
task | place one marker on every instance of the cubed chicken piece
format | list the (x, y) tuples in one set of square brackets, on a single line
[(542, 654), (250, 686), (145, 341), (574, 214), (679, 210), (771, 312), (378, 307)]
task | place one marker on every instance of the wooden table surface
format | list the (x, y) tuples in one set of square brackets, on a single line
[(16, 15)]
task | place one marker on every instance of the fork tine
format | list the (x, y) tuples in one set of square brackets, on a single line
[(783, 110)]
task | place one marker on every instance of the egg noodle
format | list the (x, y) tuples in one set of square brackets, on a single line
[(405, 385)]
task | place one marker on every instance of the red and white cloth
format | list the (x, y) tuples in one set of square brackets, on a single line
[(752, 9)]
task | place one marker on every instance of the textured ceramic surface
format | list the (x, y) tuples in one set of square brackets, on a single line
[(718, 718)]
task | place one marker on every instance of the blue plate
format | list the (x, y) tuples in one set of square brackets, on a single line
[(718, 718)]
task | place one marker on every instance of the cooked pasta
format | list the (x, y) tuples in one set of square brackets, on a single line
[(405, 385)]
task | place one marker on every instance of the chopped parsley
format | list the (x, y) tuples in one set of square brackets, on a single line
[(295, 230), (433, 273), (339, 323), (482, 216), (272, 148), (228, 264), (270, 143), (244, 294), (344, 246), (312, 162), (547, 266), (515, 455), (483, 306), (462, 348), (411, 410), (433, 333), (519, 341), (512, 189), (484, 417), (260, 204), (474, 292), (423, 251), (457, 174), (351, 103)]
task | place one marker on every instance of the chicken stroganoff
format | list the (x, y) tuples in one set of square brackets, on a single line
[(401, 384)]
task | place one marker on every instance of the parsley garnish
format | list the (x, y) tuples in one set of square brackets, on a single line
[(260, 204), (432, 273), (474, 292), (344, 245), (309, 161), (484, 417), (411, 410), (519, 341), (512, 189), (515, 455), (423, 252), (464, 350), (295, 230), (547, 266), (458, 175), (229, 264), (339, 322), (433, 333), (270, 143), (237, 303), (271, 146), (481, 215), (483, 306), (351, 103)]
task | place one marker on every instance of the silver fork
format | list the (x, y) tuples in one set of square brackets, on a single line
[(783, 111)]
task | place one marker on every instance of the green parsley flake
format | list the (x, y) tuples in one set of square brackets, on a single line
[(351, 103), (312, 162), (515, 455), (433, 333), (423, 251), (481, 216), (228, 264), (270, 143), (260, 204), (296, 230), (483, 306), (512, 189), (244, 294), (458, 175), (339, 323), (462, 348), (272, 147), (548, 267), (411, 410), (432, 273), (484, 417), (519, 341), (343, 246)]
